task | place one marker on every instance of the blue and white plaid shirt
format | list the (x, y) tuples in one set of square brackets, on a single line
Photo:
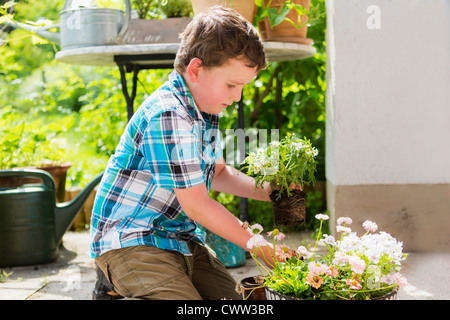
[(167, 144)]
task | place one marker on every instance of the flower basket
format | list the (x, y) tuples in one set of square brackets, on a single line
[(289, 210), (351, 268), (275, 295)]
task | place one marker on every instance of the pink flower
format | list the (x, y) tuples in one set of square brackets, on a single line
[(321, 216), (314, 280), (276, 234), (283, 252), (354, 283), (344, 220), (256, 240), (340, 257), (301, 250), (357, 264), (399, 279), (370, 226), (332, 271), (316, 267)]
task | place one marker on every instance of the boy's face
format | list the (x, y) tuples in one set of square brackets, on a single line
[(214, 89)]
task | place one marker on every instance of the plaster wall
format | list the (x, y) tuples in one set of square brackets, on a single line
[(388, 117), (388, 95)]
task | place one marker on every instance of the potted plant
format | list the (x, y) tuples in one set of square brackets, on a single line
[(284, 21), (351, 268), (245, 7), (32, 143), (158, 21), (284, 164)]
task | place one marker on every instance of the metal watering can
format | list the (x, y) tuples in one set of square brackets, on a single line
[(85, 26), (81, 27), (32, 224)]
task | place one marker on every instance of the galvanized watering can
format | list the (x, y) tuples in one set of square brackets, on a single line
[(81, 27), (85, 26), (32, 224)]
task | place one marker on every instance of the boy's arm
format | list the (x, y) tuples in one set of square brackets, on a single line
[(229, 180), (198, 206)]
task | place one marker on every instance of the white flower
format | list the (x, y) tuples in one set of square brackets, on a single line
[(329, 240), (350, 243), (321, 216), (343, 220), (343, 229), (255, 241), (370, 226), (256, 228), (275, 143)]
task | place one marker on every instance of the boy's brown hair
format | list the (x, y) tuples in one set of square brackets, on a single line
[(219, 34)]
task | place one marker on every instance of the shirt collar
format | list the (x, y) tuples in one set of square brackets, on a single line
[(181, 90)]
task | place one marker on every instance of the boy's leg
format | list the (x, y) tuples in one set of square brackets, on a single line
[(103, 290), (210, 276), (148, 272)]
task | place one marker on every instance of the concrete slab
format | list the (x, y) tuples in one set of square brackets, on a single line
[(72, 276)]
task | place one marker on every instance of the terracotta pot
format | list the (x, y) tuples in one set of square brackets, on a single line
[(58, 172), (289, 210), (285, 31), (245, 7), (251, 290)]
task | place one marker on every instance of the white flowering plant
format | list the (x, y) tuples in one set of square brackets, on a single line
[(351, 268), (283, 164)]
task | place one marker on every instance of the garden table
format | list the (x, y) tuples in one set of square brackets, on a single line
[(136, 57)]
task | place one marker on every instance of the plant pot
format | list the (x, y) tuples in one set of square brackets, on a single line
[(245, 7), (285, 31), (287, 210), (58, 172), (144, 31), (252, 290), (228, 253)]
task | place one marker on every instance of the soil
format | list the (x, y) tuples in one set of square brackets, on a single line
[(288, 211)]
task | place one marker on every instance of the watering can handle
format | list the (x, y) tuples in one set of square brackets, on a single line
[(46, 178), (127, 19)]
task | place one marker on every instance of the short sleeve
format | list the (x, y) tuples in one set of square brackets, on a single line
[(171, 149)]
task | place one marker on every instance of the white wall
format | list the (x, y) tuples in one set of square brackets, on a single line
[(388, 96)]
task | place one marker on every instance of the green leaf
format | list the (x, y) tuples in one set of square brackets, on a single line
[(276, 18)]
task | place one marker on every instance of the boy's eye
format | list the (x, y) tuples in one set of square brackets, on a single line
[(231, 85)]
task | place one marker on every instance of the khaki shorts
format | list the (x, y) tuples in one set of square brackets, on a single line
[(150, 273)]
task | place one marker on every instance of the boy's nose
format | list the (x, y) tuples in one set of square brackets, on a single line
[(237, 95)]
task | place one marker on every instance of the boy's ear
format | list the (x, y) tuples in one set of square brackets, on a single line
[(193, 69)]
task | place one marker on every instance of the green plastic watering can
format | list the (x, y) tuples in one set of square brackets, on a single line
[(32, 224)]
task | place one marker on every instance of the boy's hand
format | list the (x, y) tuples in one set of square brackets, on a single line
[(296, 187)]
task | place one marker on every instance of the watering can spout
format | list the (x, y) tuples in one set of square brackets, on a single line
[(66, 212), (42, 32)]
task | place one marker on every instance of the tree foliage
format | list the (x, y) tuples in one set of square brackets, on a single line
[(289, 96)]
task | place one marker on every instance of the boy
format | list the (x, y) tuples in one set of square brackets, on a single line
[(154, 192)]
